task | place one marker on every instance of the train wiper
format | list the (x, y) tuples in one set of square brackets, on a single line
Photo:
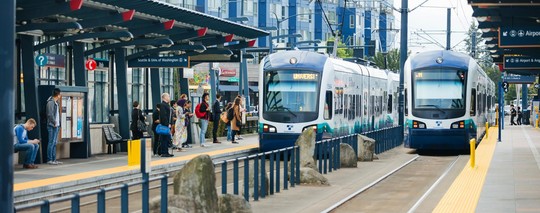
[(288, 110), (431, 105)]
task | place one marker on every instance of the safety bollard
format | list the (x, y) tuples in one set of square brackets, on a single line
[(487, 129), (473, 146)]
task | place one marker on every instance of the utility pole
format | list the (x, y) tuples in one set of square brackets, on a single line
[(402, 59), (448, 26)]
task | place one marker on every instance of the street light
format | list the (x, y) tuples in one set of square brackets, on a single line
[(279, 21)]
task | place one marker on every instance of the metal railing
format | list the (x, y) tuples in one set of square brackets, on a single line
[(385, 138), (328, 152), (75, 198), (275, 160)]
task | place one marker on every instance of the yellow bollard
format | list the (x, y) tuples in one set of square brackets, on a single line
[(487, 128), (472, 143)]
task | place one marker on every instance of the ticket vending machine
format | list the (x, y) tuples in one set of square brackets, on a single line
[(73, 135)]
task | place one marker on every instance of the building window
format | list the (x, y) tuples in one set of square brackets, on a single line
[(248, 7), (351, 21), (167, 81), (98, 95), (137, 87), (255, 8)]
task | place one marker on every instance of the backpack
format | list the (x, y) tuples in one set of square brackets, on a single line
[(198, 112), (230, 114)]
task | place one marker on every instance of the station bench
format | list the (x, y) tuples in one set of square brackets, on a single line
[(112, 138)]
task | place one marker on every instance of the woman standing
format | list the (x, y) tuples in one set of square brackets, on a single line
[(180, 135), (237, 119), (228, 124), (136, 116)]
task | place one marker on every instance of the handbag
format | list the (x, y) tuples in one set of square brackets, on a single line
[(141, 126), (162, 130)]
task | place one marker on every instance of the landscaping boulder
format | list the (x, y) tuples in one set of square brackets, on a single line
[(312, 177), (306, 142), (366, 148), (233, 203), (348, 158), (197, 180)]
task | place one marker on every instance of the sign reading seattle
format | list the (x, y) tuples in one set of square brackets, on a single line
[(521, 62), (156, 61), (519, 37)]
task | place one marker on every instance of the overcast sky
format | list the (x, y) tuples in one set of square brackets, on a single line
[(427, 24)]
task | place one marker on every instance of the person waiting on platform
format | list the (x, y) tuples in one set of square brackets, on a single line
[(519, 114), (165, 119), (216, 110), (53, 124), (204, 115), (512, 114), (237, 120), (189, 114), (22, 143), (136, 116), (155, 122)]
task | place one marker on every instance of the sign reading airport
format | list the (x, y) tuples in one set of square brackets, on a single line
[(156, 61), (519, 37), (521, 62)]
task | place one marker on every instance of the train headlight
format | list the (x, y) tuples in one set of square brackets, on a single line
[(458, 125), (418, 125), (314, 127), (268, 128)]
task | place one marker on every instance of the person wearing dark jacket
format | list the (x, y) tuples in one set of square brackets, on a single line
[(155, 122), (216, 109), (136, 116), (165, 119)]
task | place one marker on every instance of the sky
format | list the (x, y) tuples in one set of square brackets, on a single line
[(427, 24)]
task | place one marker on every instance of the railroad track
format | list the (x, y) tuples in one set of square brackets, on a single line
[(413, 187)]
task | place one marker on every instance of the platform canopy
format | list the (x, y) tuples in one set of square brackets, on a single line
[(511, 29), (143, 19)]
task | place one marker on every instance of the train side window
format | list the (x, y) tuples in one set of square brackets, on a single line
[(406, 103), (389, 103), (328, 106), (473, 102)]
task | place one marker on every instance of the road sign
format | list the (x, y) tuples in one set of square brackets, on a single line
[(521, 62), (156, 61), (91, 64), (41, 60), (519, 37)]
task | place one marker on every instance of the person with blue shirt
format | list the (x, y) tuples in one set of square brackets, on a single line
[(22, 143)]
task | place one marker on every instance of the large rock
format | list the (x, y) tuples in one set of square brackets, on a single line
[(348, 158), (197, 180), (366, 148), (312, 177), (251, 181), (306, 142), (233, 203), (176, 203)]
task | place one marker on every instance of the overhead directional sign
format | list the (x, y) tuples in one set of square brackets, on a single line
[(519, 79), (156, 61), (41, 60), (521, 62), (519, 36), (50, 60)]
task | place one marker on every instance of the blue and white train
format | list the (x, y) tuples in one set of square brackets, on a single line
[(302, 89), (449, 98)]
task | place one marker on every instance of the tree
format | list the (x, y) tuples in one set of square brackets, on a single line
[(343, 51), (392, 60)]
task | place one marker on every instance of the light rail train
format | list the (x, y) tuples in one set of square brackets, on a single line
[(302, 89), (449, 98)]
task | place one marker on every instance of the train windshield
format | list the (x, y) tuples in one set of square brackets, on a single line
[(290, 96), (439, 90)]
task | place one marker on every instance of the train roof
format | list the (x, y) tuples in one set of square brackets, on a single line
[(393, 76), (304, 60), (449, 59), (376, 73), (345, 66)]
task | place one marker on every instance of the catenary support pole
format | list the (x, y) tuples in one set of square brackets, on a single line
[(402, 58)]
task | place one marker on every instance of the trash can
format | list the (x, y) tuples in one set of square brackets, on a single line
[(134, 152), (525, 119)]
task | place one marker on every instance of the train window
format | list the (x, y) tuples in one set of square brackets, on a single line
[(389, 103), (328, 106), (358, 105), (352, 109), (473, 102)]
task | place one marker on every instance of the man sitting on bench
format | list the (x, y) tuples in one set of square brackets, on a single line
[(23, 144)]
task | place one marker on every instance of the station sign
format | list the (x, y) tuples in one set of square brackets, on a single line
[(224, 72), (102, 64), (51, 60), (521, 62), (157, 62), (90, 64), (233, 79), (519, 36), (519, 79)]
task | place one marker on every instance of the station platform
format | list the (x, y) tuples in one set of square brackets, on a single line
[(107, 169)]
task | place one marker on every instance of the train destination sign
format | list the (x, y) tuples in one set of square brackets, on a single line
[(521, 62), (169, 61), (519, 37)]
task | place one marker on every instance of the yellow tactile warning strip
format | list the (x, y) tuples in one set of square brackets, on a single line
[(464, 193), (89, 174)]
